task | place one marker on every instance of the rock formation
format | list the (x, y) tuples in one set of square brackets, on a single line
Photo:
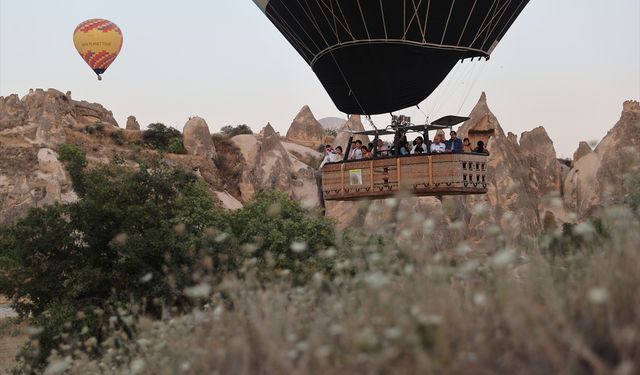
[(305, 130), (30, 177), (354, 124), (544, 170), (132, 123), (197, 138), (270, 166), (511, 202), (583, 149), (605, 176)]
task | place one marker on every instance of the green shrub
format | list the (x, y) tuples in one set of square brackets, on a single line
[(281, 230), (118, 137), (75, 160), (129, 240), (232, 131), (163, 138)]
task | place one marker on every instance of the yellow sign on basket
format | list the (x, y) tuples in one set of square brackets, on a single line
[(355, 177)]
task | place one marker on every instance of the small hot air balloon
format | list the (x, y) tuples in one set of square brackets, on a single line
[(98, 41)]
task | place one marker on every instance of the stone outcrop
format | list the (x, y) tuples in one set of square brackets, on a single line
[(197, 138), (354, 124), (305, 130), (132, 123), (40, 117), (511, 202), (544, 169), (600, 178), (30, 177), (270, 166), (583, 149)]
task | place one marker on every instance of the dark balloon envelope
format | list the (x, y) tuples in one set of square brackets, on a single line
[(378, 56)]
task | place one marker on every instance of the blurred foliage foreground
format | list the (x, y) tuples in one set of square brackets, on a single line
[(143, 275)]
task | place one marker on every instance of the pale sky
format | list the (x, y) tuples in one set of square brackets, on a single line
[(565, 64)]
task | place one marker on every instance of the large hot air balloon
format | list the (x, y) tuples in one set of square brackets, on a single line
[(378, 56), (98, 41)]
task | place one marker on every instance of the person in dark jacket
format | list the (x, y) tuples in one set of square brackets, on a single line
[(480, 149), (454, 144)]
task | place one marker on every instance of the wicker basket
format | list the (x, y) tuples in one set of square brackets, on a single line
[(422, 175)]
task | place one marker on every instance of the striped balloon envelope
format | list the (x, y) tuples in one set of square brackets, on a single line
[(98, 41)]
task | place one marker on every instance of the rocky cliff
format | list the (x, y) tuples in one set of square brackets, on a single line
[(607, 174), (268, 165), (31, 128), (305, 130)]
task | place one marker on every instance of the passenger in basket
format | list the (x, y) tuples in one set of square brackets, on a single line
[(467, 145), (382, 149), (438, 146), (455, 144), (329, 156), (366, 154), (480, 149), (405, 149), (356, 153), (419, 147), (339, 154)]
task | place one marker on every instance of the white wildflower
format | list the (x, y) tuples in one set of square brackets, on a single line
[(137, 366), (503, 258), (479, 299), (198, 291), (146, 278), (376, 279), (329, 253), (298, 246), (428, 226), (463, 248), (185, 366), (393, 333), (222, 237), (58, 366), (480, 209), (391, 202), (598, 295), (584, 229), (323, 351)]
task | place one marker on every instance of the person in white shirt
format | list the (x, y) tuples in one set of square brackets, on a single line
[(419, 147), (438, 146), (356, 153), (329, 157)]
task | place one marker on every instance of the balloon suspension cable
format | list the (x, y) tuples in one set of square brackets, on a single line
[(99, 77), (426, 117), (368, 117)]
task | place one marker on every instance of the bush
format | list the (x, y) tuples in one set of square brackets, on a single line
[(118, 137), (75, 160), (279, 229), (127, 241), (232, 131), (163, 138)]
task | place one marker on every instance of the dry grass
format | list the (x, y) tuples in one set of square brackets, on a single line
[(12, 337), (416, 312)]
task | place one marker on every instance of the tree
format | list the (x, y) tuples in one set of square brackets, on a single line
[(232, 131), (130, 239), (279, 227), (163, 138)]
